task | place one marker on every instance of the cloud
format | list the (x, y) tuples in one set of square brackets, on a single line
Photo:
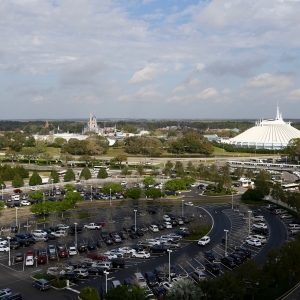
[(149, 73), (183, 100), (208, 93), (190, 84), (293, 96), (267, 80), (85, 99), (286, 58), (144, 94), (240, 69), (39, 100), (226, 91), (82, 73)]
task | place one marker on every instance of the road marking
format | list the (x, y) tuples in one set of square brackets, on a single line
[(73, 290)]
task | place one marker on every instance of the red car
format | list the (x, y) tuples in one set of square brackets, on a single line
[(17, 191), (63, 254), (101, 223), (30, 253), (96, 256), (41, 259)]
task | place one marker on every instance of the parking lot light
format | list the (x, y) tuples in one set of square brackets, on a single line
[(226, 232), (91, 193), (2, 190), (135, 219), (106, 273), (182, 211), (16, 216), (52, 185), (231, 200), (249, 211), (169, 264), (110, 197), (75, 234), (9, 262)]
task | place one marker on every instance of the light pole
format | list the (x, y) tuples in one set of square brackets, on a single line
[(226, 232), (135, 219), (2, 190), (232, 200), (169, 264), (106, 273), (91, 193), (249, 211), (9, 262), (110, 197), (182, 211), (75, 235), (16, 216), (52, 184)]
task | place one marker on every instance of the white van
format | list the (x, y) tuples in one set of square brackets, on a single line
[(140, 280), (261, 238), (15, 197)]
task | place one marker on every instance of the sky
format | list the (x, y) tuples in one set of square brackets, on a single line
[(154, 59)]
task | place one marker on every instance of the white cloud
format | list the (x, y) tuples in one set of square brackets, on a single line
[(226, 91), (208, 93), (149, 73), (144, 94), (293, 96), (38, 100), (270, 83), (187, 85)]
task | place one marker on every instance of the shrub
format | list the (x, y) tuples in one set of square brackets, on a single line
[(59, 283), (89, 293)]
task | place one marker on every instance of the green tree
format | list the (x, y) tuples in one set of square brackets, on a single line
[(154, 193), (86, 174), (185, 289), (73, 197), (102, 174), (262, 182), (86, 159), (123, 293), (252, 195), (120, 158), (148, 181), (36, 195), (125, 171), (113, 188), (140, 170), (69, 176), (35, 179), (47, 157), (89, 293), (54, 176), (169, 165), (1, 205), (133, 193), (17, 181), (29, 153), (175, 185), (179, 169)]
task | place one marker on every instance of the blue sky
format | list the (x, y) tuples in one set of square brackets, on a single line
[(149, 59)]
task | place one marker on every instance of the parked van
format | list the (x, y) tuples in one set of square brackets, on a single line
[(140, 280), (261, 238), (15, 197), (115, 283)]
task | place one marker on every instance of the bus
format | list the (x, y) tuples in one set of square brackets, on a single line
[(290, 186), (62, 173), (97, 168)]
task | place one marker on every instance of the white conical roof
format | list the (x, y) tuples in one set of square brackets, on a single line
[(268, 134)]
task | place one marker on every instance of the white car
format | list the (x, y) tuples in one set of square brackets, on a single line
[(29, 261), (72, 250), (166, 218), (260, 225), (286, 216), (123, 183), (204, 240), (253, 242), (25, 203), (258, 218), (62, 226), (141, 254), (5, 292), (39, 233), (3, 242), (189, 203), (193, 185), (59, 233), (153, 228), (168, 225), (4, 248), (126, 250), (110, 255), (55, 270), (166, 285)]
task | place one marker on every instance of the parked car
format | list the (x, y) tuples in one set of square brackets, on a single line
[(5, 292), (72, 276), (82, 272), (159, 249), (228, 262), (72, 250), (18, 258), (118, 262), (151, 279), (209, 256), (253, 242), (260, 225), (95, 271), (262, 231), (82, 247), (198, 276), (153, 228), (141, 254), (41, 259), (41, 284), (212, 268)]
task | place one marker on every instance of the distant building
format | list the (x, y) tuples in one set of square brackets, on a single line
[(267, 134), (92, 125), (212, 137)]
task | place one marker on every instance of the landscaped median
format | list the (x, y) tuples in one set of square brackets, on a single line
[(55, 282)]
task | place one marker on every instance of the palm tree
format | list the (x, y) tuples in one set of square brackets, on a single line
[(184, 289)]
